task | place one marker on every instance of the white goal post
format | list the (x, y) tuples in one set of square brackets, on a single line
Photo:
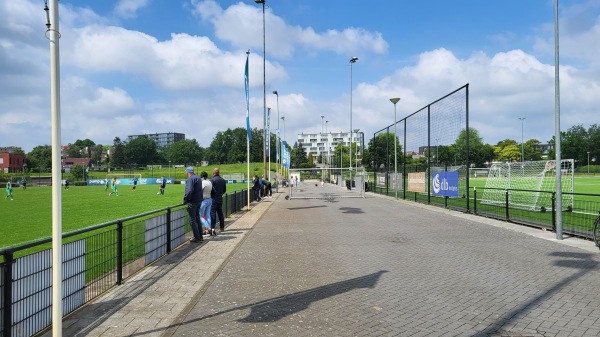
[(530, 184)]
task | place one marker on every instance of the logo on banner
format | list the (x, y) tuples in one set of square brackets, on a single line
[(445, 184)]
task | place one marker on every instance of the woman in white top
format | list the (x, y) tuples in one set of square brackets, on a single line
[(206, 204)]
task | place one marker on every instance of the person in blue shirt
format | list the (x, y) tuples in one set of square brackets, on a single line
[(163, 183), (135, 181), (24, 183)]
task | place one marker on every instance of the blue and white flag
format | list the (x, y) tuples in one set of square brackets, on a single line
[(268, 134), (246, 83)]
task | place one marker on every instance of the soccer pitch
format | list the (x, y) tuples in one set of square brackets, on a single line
[(29, 216)]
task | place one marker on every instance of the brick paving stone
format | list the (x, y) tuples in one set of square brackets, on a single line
[(359, 267)]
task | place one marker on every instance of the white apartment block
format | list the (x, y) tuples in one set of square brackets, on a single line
[(325, 143)]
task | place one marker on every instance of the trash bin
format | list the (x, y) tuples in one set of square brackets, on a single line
[(348, 184), (366, 186)]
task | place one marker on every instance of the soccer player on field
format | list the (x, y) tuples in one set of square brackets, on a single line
[(106, 184), (9, 191), (135, 180), (163, 183), (114, 187)]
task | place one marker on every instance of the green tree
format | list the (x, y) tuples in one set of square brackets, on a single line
[(86, 146), (510, 153), (186, 151), (381, 151), (477, 153), (74, 151), (78, 172), (40, 157), (532, 150), (118, 153), (140, 151), (299, 158)]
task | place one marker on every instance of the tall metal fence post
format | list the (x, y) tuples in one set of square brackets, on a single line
[(119, 252), (7, 295), (474, 200), (553, 211), (169, 228), (507, 205)]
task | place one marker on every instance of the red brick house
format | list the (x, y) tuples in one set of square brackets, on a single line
[(11, 163)]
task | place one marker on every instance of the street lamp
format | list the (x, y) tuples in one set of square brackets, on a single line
[(522, 152), (169, 169), (264, 88), (394, 101), (352, 61)]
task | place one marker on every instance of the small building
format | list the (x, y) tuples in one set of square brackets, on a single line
[(68, 163), (11, 162)]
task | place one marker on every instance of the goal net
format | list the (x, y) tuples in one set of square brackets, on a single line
[(529, 184), (326, 183)]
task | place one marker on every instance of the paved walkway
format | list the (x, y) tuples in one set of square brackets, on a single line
[(358, 267)]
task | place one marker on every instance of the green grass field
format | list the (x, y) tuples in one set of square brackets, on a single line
[(29, 216)]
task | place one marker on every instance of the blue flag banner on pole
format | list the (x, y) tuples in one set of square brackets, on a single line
[(268, 133), (246, 84)]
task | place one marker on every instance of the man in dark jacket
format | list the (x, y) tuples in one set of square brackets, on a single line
[(219, 188), (193, 199)]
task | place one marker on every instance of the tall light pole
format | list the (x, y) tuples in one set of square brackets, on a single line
[(264, 89), (327, 142), (352, 61), (395, 100), (589, 162), (559, 224), (321, 152), (356, 149), (522, 152), (277, 145), (283, 150)]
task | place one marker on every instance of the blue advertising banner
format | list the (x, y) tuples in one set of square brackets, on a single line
[(445, 184)]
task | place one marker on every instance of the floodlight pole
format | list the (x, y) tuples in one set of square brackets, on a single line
[(264, 89), (277, 147), (559, 224), (352, 61), (588, 162), (395, 100), (522, 151)]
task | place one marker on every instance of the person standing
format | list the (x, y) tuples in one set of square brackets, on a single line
[(205, 207), (9, 191), (114, 187), (135, 181), (66, 184), (24, 183), (106, 184), (219, 187), (193, 198), (268, 188), (163, 183)]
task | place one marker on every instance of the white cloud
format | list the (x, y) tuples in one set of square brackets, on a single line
[(129, 8), (238, 25)]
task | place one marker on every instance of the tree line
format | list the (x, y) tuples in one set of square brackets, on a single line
[(229, 147)]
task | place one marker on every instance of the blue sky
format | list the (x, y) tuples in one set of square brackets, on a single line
[(145, 66)]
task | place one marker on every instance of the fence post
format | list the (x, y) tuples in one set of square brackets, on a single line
[(553, 211), (507, 205), (475, 200), (7, 295), (169, 248), (119, 252)]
